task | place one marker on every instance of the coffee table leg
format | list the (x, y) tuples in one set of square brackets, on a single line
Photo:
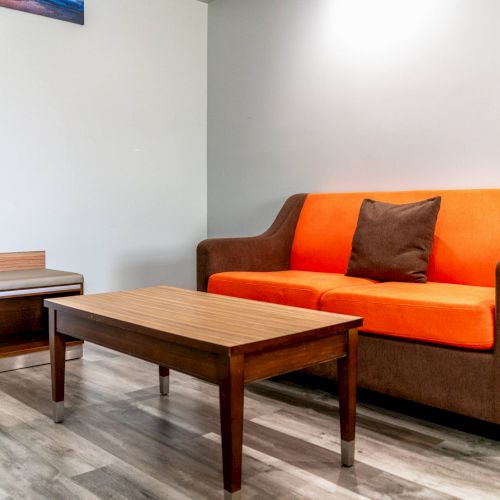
[(58, 367), (231, 389), (164, 380), (347, 369)]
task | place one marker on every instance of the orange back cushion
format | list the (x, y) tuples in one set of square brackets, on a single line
[(466, 244)]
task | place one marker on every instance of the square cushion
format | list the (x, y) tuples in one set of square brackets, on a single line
[(293, 288), (392, 242), (455, 315)]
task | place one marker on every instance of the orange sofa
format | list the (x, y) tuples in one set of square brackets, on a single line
[(436, 343)]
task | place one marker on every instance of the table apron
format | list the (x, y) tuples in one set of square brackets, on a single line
[(273, 362), (199, 363)]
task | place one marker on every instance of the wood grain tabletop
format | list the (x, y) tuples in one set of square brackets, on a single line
[(217, 320)]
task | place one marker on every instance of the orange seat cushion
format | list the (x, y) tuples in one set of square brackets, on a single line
[(455, 315), (293, 288), (465, 249)]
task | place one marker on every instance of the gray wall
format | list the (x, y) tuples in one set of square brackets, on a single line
[(103, 140), (347, 95)]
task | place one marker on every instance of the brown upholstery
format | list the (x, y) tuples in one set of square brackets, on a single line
[(268, 252), (458, 380), (443, 377), (496, 360)]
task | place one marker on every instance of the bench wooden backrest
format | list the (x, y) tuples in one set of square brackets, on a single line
[(15, 261)]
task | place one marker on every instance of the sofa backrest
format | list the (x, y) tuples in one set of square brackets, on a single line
[(466, 244)]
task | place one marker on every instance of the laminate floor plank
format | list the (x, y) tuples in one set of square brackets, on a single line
[(121, 440), (120, 481), (65, 450), (409, 463), (363, 479), (24, 474)]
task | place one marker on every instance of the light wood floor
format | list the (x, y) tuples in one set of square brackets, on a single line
[(121, 440)]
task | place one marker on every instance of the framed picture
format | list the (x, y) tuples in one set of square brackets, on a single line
[(65, 10)]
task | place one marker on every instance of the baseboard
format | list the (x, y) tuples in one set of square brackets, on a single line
[(37, 358)]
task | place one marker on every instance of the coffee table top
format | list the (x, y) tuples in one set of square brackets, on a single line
[(199, 318)]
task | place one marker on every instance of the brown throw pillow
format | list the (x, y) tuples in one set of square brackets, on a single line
[(393, 242)]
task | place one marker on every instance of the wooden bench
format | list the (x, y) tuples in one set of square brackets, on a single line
[(24, 284)]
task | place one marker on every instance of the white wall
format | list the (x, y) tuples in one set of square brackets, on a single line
[(103, 140), (347, 95)]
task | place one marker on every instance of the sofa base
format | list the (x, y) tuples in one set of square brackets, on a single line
[(415, 410), (455, 380)]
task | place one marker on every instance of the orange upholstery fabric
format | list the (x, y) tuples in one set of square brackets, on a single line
[(466, 246), (456, 315), (293, 288)]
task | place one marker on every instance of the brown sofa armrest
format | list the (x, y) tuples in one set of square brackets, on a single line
[(497, 317), (269, 251), (496, 351)]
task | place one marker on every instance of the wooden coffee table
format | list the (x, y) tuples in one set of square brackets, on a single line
[(228, 341)]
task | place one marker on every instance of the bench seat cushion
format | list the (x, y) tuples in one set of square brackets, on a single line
[(36, 278), (293, 288), (450, 314)]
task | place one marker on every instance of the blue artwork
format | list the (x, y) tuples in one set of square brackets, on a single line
[(66, 10)]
